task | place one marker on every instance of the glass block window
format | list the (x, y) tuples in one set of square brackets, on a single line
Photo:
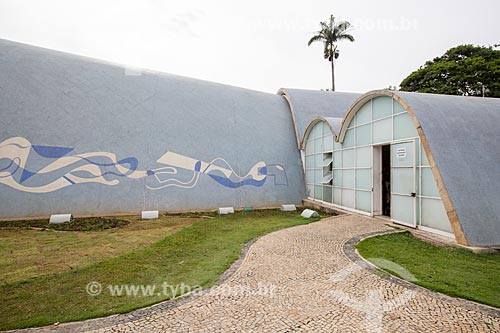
[(319, 161), (342, 173)]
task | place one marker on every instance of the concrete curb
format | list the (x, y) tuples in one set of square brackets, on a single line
[(352, 254)]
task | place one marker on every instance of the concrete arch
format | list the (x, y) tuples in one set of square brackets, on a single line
[(448, 204), (311, 125), (305, 105), (284, 92), (333, 124)]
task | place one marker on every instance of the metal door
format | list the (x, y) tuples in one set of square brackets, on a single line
[(403, 183)]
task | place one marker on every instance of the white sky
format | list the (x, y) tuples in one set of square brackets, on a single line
[(257, 44)]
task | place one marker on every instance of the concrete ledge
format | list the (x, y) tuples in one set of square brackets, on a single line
[(437, 239), (352, 254), (321, 206), (138, 213)]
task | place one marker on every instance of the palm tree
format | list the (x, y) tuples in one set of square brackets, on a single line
[(331, 33)]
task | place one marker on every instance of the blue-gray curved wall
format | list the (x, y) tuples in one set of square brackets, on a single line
[(464, 136), (81, 136), (306, 105)]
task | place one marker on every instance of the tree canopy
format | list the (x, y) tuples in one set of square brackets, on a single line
[(466, 70)]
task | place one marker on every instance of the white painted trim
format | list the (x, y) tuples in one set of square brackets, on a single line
[(349, 168), (350, 188), (385, 143), (303, 159), (392, 126), (332, 205), (377, 180), (419, 222), (403, 223), (436, 231), (415, 201), (401, 194), (426, 197), (354, 171)]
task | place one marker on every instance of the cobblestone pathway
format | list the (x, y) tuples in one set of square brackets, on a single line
[(301, 280)]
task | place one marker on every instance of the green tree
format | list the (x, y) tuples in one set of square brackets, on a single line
[(465, 70), (332, 32)]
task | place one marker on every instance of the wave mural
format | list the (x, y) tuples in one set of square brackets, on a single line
[(43, 169)]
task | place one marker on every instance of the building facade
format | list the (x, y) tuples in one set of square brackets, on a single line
[(379, 167), (83, 136), (421, 160)]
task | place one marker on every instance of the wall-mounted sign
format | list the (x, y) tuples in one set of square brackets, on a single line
[(401, 152)]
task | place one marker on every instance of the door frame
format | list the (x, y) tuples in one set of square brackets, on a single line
[(377, 180)]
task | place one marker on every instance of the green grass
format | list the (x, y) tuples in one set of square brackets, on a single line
[(452, 271), (26, 253), (195, 256)]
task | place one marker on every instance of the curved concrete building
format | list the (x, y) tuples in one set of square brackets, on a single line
[(87, 137), (84, 136), (309, 104), (424, 161)]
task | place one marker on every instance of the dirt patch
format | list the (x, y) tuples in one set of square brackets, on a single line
[(78, 224)]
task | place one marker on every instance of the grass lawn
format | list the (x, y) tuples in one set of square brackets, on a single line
[(27, 253), (456, 272), (194, 256)]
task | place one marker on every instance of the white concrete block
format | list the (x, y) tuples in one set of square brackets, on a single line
[(288, 208), (149, 214), (60, 218), (308, 213), (226, 210)]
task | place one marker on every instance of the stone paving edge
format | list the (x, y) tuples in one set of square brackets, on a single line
[(353, 255)]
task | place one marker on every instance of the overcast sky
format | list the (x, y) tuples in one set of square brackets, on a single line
[(257, 44)]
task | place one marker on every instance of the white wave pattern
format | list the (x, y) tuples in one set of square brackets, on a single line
[(174, 161), (18, 150)]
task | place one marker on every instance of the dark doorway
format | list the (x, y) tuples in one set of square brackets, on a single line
[(386, 180)]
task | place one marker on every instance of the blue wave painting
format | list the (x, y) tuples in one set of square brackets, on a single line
[(59, 169)]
